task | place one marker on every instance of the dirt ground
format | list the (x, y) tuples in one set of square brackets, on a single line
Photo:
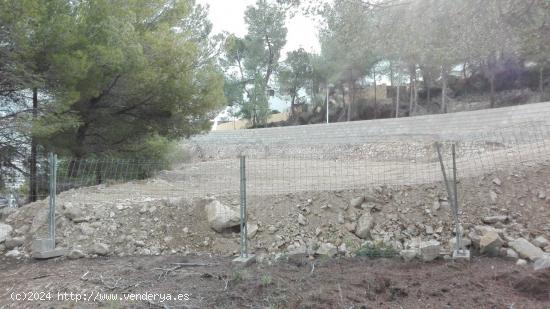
[(300, 283)]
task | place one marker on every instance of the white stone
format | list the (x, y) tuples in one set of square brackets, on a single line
[(327, 249), (521, 262), (542, 263), (429, 250), (408, 254), (494, 219), (493, 195), (525, 249), (356, 202), (490, 243), (343, 249), (99, 249), (301, 219), (512, 254), (220, 216), (12, 243), (540, 242), (429, 230), (5, 231), (497, 181), (364, 226), (13, 254), (75, 254), (251, 230)]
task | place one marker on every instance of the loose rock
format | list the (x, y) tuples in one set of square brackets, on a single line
[(220, 216), (525, 249), (490, 243), (364, 226), (494, 219), (356, 202), (408, 254), (5, 230), (75, 254), (13, 254), (429, 250), (327, 249), (251, 230), (540, 242), (100, 249), (12, 243)]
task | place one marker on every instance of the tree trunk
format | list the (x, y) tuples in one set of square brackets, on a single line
[(491, 63), (292, 111), (427, 85), (412, 73), (375, 103), (33, 181), (492, 95), (415, 93), (98, 175), (541, 83), (444, 91), (351, 99), (397, 96)]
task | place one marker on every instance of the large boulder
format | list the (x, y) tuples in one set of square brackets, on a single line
[(408, 254), (5, 231), (429, 250), (100, 249), (364, 226), (220, 216), (490, 243), (327, 249), (525, 249)]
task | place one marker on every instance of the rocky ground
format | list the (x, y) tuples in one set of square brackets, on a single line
[(504, 214)]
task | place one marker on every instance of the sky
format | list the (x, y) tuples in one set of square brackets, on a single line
[(228, 15)]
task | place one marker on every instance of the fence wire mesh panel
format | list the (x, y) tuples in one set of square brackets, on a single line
[(296, 195)]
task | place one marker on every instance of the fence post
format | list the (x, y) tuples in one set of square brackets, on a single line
[(52, 191), (244, 230), (458, 245), (451, 191)]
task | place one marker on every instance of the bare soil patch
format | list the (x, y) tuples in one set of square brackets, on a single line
[(336, 283)]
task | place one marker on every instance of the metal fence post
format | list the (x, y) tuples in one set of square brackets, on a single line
[(244, 230), (455, 191), (52, 191), (452, 192)]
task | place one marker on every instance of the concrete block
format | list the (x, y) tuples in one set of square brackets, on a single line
[(57, 252), (42, 244), (461, 255), (245, 260)]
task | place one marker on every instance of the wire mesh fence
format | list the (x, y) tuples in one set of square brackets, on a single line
[(277, 176)]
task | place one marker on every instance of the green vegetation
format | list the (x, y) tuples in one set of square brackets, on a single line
[(118, 79), (266, 280), (378, 249)]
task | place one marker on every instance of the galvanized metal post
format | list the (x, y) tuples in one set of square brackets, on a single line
[(244, 237), (450, 195), (52, 191), (458, 245)]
